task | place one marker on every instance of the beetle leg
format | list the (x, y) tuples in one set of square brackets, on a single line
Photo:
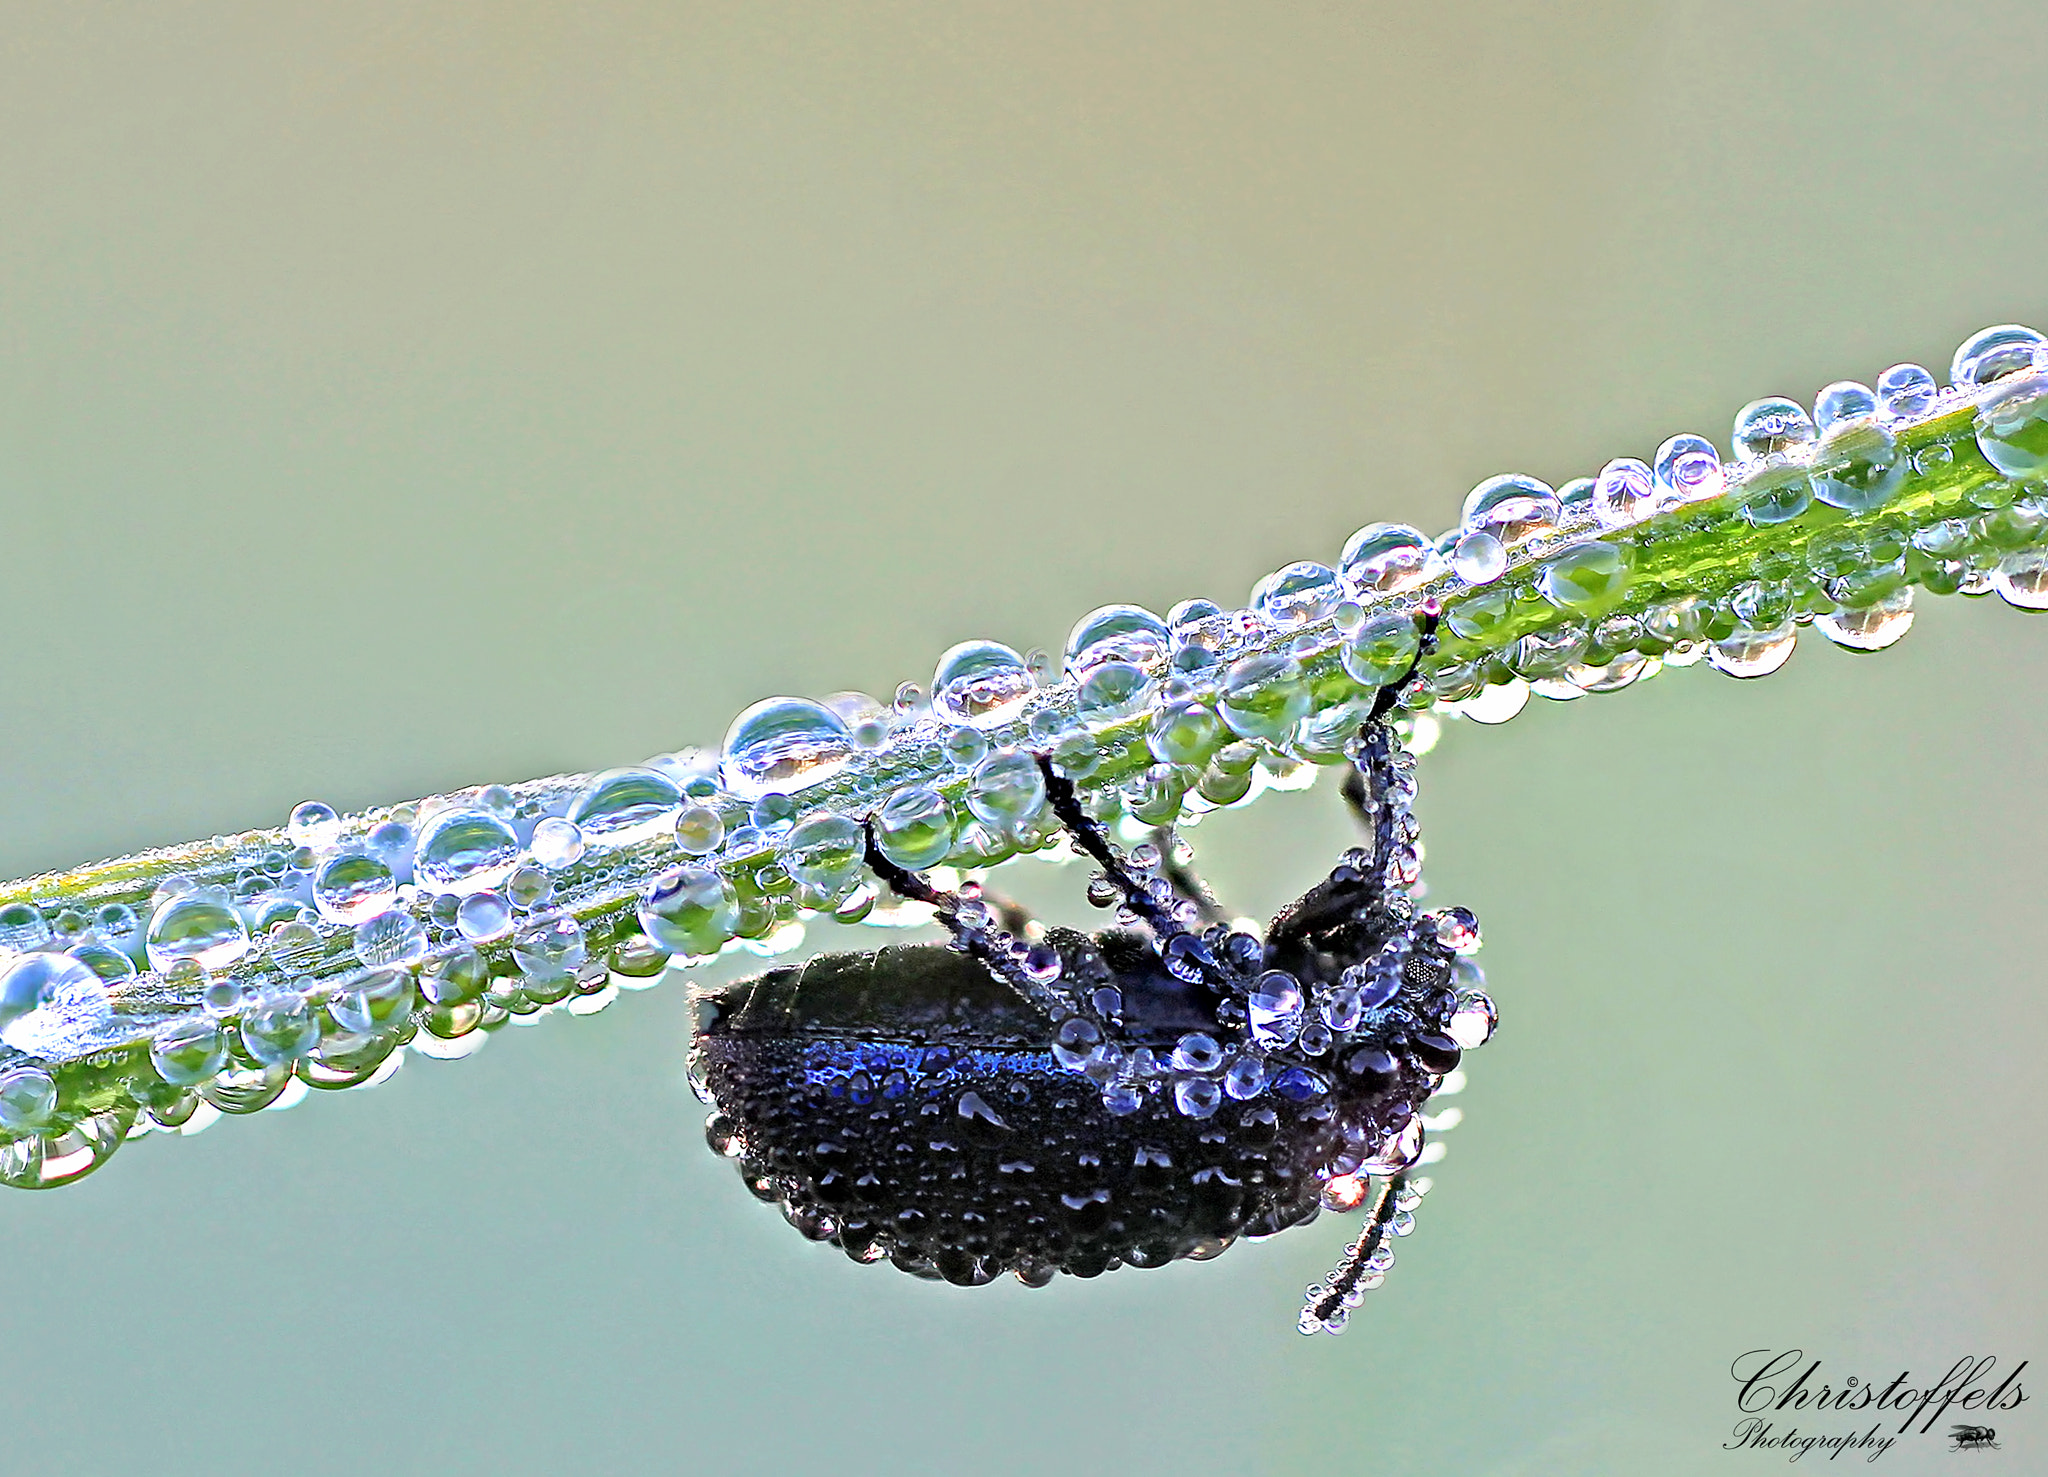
[(1190, 888), (984, 932), (1327, 1308), (1181, 949)]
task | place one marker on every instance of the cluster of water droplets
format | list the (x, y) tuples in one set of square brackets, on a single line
[(220, 975)]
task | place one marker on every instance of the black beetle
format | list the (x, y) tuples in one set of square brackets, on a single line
[(1153, 1091)]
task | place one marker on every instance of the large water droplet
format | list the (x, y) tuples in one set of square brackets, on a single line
[(1844, 400), (1387, 558), (2021, 579), (557, 843), (1479, 558), (1857, 466), (980, 682), (1117, 633), (28, 1099), (1264, 696), (483, 916), (1586, 578), (1624, 493), (200, 925), (1297, 595), (393, 937), (1871, 628), (1007, 790), (353, 886), (549, 949), (374, 1003), (1905, 391), (1688, 470), (464, 850), (1754, 653), (689, 910), (280, 1027), (1770, 427), (622, 806), (1112, 691), (1274, 1009), (188, 1049), (2012, 426), (23, 927), (1381, 650), (824, 852), (1991, 352), (914, 828), (1511, 507), (784, 744), (313, 824), (1777, 493), (33, 981)]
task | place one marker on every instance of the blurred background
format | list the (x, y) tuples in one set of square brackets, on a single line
[(397, 396)]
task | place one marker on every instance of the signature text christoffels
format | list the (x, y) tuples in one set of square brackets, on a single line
[(1788, 1400)]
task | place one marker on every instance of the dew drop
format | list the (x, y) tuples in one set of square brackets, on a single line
[(1077, 1044), (1857, 466), (353, 886), (1111, 692), (1274, 1008), (1872, 627), (1264, 696), (689, 910), (188, 1049), (914, 828), (1844, 400), (824, 851), (33, 981), (1387, 558), (279, 1027), (374, 1003), (1472, 1020), (1771, 426), (622, 806), (980, 682), (1496, 703), (1992, 352), (1905, 391), (1753, 653), (1511, 507), (549, 948), (1586, 578), (200, 925), (1688, 470), (393, 937), (1297, 595), (313, 824), (464, 850), (1479, 558), (483, 916), (23, 927), (1625, 493), (1197, 1097), (2012, 426), (558, 843), (1117, 633), (2021, 579), (1007, 790), (28, 1099), (784, 744)]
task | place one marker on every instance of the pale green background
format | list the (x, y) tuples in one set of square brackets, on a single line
[(397, 396)]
